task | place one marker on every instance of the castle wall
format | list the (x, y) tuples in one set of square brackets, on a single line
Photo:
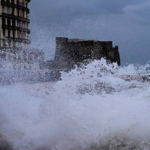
[(78, 50), (60, 48)]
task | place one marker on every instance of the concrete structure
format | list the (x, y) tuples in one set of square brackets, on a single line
[(14, 23), (78, 50)]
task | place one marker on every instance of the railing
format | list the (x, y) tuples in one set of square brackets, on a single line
[(16, 17), (15, 28), (14, 5)]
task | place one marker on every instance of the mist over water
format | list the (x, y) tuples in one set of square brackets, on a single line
[(91, 108)]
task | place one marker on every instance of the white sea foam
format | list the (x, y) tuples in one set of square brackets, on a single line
[(90, 108)]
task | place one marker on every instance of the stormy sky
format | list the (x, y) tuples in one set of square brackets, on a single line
[(125, 22)]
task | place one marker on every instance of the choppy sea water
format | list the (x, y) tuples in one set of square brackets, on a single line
[(91, 108)]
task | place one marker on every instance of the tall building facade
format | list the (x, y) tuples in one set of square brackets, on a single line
[(14, 21)]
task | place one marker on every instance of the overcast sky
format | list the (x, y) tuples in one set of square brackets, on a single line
[(125, 22)]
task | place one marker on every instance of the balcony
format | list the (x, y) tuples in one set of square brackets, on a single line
[(23, 19), (14, 5), (6, 15), (15, 17), (4, 26), (6, 3)]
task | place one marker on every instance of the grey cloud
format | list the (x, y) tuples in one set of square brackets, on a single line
[(138, 7), (124, 22), (69, 8), (63, 12), (141, 10)]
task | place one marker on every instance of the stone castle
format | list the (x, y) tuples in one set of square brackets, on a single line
[(74, 51), (78, 50)]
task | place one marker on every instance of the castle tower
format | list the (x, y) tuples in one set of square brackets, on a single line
[(14, 23)]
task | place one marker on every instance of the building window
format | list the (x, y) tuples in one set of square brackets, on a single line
[(8, 33), (24, 35), (3, 21), (15, 11), (3, 9), (20, 13), (22, 4), (13, 23), (23, 14), (8, 10), (12, 11), (4, 33), (23, 25), (14, 34), (18, 34), (8, 22), (18, 24), (21, 34)]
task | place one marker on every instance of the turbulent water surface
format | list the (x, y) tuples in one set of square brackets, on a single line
[(91, 108)]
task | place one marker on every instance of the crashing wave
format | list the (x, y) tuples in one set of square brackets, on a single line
[(90, 108)]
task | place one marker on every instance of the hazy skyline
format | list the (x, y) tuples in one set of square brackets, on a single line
[(126, 23)]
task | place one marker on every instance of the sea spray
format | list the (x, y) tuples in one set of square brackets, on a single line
[(90, 108)]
